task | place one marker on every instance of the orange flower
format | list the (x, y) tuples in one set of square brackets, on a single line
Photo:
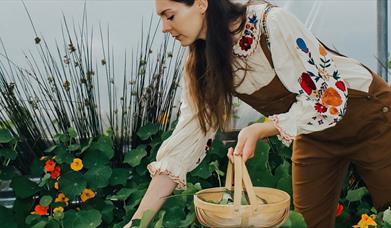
[(56, 185), (322, 50), (87, 194), (40, 210), (61, 198), (365, 222), (77, 164), (331, 97), (49, 165), (55, 173)]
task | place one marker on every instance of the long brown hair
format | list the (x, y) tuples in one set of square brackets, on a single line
[(209, 64)]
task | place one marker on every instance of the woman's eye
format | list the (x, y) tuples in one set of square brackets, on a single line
[(170, 18)]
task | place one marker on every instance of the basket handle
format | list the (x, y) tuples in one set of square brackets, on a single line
[(240, 178)]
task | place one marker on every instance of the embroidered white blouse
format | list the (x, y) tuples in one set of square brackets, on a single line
[(319, 78)]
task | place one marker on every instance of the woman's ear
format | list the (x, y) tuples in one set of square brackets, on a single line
[(202, 5)]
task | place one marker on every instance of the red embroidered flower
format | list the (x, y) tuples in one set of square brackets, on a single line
[(339, 210), (306, 83), (49, 165), (55, 173), (245, 43), (340, 85), (320, 108)]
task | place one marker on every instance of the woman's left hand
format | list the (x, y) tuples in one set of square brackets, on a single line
[(248, 137)]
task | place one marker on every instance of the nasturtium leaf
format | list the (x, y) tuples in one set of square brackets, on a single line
[(133, 157), (295, 220), (45, 200), (8, 153), (83, 219), (119, 176), (72, 184), (24, 187), (5, 136), (356, 194), (147, 131), (98, 177)]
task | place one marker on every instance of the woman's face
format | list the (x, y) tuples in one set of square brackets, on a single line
[(185, 23)]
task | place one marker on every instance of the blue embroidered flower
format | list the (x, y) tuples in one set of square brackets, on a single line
[(301, 44), (253, 20)]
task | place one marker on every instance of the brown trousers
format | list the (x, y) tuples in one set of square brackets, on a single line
[(320, 160)]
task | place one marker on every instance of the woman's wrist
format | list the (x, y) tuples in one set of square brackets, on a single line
[(266, 129)]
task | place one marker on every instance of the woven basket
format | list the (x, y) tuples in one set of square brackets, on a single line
[(257, 213)]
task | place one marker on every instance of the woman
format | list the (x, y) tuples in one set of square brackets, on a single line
[(333, 109)]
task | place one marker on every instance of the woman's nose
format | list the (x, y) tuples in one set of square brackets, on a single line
[(166, 26)]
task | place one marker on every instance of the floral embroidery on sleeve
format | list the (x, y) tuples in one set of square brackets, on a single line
[(250, 35), (322, 83)]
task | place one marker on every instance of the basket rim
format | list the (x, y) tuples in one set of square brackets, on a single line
[(198, 199)]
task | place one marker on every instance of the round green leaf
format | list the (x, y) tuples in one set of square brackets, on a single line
[(98, 177), (94, 158), (133, 157), (40, 224), (83, 219), (74, 147), (387, 216), (295, 220), (356, 194), (50, 149), (105, 145), (119, 176), (8, 153), (5, 136), (24, 187), (63, 156), (45, 201), (147, 131), (72, 132), (72, 184)]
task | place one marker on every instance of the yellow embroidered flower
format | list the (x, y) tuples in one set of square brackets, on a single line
[(87, 194), (365, 222), (77, 164), (58, 210), (61, 198)]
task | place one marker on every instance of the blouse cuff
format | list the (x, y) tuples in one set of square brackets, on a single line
[(285, 137), (172, 168)]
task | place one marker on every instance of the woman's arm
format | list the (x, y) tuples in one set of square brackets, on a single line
[(159, 188)]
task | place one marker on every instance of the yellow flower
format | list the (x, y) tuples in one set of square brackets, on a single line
[(87, 194), (77, 164), (61, 198), (365, 222), (58, 210)]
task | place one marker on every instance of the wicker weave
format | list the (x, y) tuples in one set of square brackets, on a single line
[(256, 214)]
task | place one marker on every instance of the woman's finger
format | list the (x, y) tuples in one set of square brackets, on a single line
[(239, 147), (230, 154), (248, 150)]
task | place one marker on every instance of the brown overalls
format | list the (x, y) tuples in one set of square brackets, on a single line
[(320, 159)]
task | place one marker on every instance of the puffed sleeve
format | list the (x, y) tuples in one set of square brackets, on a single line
[(185, 148), (304, 67)]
